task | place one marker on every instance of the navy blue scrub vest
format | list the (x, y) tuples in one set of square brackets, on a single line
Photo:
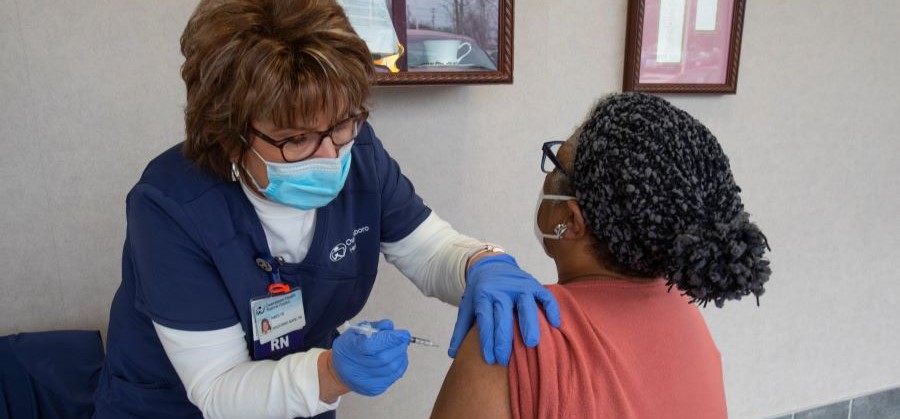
[(189, 263)]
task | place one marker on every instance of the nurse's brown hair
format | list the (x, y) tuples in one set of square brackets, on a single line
[(288, 61)]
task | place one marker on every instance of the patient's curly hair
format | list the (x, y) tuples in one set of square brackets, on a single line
[(657, 190)]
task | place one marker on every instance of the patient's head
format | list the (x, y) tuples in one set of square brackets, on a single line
[(655, 197)]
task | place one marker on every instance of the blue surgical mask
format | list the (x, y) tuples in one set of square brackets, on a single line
[(306, 184)]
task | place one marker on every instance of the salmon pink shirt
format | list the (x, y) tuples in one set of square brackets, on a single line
[(624, 350)]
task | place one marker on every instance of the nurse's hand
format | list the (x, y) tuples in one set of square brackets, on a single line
[(369, 365), (496, 287)]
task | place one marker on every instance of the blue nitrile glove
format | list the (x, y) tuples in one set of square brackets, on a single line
[(495, 283), (370, 364)]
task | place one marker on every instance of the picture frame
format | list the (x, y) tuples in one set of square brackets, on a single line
[(436, 42), (683, 46)]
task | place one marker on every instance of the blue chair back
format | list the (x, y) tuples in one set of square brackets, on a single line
[(49, 375)]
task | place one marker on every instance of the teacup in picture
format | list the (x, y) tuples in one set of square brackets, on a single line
[(436, 41), (446, 51)]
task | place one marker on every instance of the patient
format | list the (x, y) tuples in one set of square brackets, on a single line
[(641, 215)]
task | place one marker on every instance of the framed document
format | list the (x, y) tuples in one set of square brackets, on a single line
[(683, 46), (436, 41)]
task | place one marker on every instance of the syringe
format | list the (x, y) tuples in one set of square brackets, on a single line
[(368, 330)]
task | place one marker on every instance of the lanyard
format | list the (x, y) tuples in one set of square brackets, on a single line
[(272, 266)]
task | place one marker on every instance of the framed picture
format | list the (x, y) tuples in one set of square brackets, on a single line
[(683, 46), (436, 41)]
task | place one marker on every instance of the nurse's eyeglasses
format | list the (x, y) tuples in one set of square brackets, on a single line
[(301, 147)]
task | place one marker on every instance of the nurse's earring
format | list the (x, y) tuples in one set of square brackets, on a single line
[(235, 173), (560, 230)]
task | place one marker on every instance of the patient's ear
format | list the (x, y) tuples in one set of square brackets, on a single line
[(577, 228)]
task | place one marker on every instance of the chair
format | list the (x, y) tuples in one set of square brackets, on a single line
[(49, 375)]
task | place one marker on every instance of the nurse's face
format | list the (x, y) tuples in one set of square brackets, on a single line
[(272, 153)]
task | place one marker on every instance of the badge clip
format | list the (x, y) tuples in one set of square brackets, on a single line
[(279, 288)]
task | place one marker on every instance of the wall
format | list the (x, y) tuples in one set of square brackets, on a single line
[(89, 92)]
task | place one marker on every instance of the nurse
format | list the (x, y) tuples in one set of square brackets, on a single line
[(276, 207)]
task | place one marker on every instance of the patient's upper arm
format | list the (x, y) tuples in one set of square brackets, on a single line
[(472, 388)]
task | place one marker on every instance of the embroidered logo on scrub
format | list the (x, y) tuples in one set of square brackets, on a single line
[(347, 246)]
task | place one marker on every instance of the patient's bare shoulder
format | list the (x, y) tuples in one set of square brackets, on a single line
[(472, 388)]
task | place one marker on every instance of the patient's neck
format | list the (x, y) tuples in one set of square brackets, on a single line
[(581, 265), (599, 274)]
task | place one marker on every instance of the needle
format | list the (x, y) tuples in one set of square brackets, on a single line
[(423, 341)]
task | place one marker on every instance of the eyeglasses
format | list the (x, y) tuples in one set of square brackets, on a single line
[(301, 147), (549, 160)]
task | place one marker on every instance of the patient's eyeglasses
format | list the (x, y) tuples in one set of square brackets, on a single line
[(549, 160)]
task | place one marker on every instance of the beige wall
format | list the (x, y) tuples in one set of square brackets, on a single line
[(90, 91)]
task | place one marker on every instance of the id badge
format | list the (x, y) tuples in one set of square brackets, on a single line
[(278, 322)]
